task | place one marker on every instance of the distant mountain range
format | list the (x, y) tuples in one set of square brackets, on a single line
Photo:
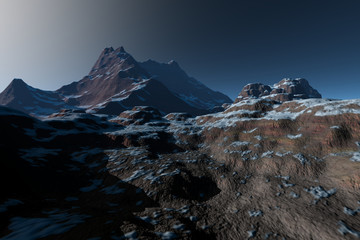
[(118, 82)]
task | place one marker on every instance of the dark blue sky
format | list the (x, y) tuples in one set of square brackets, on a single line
[(224, 44)]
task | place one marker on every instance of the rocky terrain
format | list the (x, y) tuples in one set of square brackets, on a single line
[(263, 168), (286, 90), (140, 150)]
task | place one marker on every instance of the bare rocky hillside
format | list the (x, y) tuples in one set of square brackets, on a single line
[(258, 170)]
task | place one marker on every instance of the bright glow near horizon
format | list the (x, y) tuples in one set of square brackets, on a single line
[(49, 43)]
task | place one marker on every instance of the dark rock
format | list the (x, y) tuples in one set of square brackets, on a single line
[(138, 115), (186, 88), (285, 90), (20, 96), (255, 90), (178, 116)]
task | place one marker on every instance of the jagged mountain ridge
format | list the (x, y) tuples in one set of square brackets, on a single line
[(187, 88), (115, 83), (115, 74)]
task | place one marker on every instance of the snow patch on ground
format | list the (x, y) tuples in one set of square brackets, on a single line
[(344, 229), (258, 137), (319, 192), (255, 213), (166, 235), (239, 143), (301, 158), (355, 157), (294, 195), (267, 154), (294, 136), (350, 212), (330, 107), (250, 131), (279, 154)]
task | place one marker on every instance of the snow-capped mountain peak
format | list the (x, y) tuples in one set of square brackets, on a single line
[(118, 82)]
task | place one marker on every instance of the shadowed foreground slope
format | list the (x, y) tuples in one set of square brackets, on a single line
[(260, 170)]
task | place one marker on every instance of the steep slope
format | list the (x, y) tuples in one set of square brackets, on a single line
[(187, 88), (146, 93), (118, 82), (20, 96), (286, 90), (115, 75)]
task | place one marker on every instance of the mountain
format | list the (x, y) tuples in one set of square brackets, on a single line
[(187, 88), (275, 170), (286, 90), (278, 163), (19, 95), (117, 82), (115, 75)]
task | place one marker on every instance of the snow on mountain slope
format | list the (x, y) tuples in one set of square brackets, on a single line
[(115, 83), (115, 75), (150, 93), (187, 88), (22, 97), (118, 82)]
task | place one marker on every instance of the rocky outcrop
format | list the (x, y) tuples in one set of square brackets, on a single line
[(138, 116), (285, 90), (177, 116), (255, 90)]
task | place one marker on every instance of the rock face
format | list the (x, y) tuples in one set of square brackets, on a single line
[(117, 82), (285, 90)]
